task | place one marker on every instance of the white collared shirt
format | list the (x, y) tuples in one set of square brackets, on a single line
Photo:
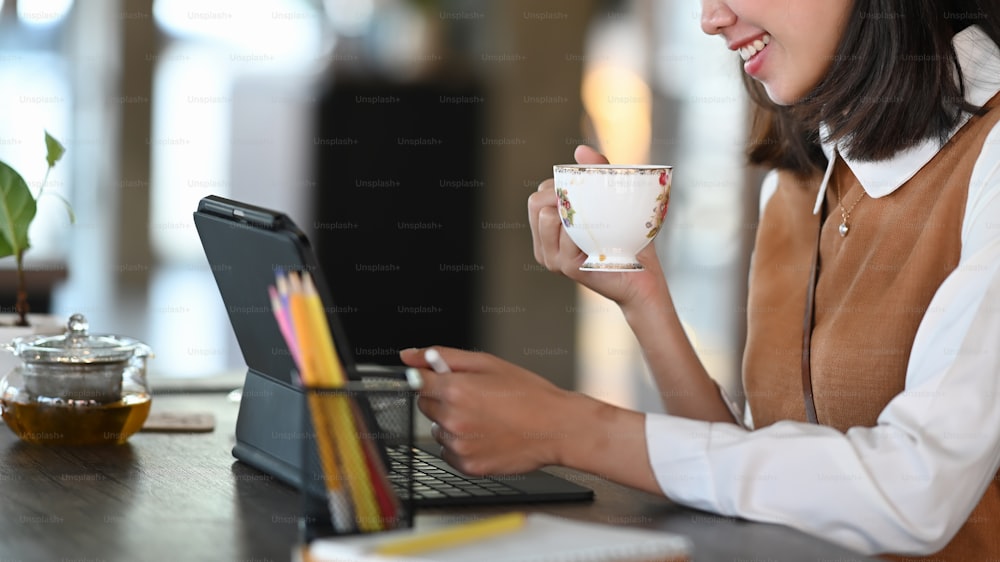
[(909, 483)]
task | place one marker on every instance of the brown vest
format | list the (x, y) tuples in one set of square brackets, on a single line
[(873, 289)]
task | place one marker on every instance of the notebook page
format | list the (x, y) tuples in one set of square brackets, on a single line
[(544, 538)]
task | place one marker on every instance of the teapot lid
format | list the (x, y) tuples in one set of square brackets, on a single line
[(76, 345)]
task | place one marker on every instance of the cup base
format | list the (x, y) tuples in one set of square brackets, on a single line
[(611, 264)]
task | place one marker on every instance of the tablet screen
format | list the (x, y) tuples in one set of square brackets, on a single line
[(245, 246)]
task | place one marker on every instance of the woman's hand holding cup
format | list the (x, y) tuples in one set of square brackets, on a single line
[(554, 248)]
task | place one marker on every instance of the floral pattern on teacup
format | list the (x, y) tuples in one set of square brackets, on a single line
[(566, 211), (659, 212)]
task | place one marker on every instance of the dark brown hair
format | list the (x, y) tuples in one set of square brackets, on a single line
[(892, 84)]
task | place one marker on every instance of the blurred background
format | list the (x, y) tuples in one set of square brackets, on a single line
[(404, 137)]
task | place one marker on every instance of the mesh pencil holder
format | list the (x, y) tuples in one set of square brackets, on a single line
[(357, 465)]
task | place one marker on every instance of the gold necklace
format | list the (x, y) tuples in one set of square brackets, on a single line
[(846, 213)]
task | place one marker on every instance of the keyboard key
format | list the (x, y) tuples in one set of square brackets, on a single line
[(432, 478)]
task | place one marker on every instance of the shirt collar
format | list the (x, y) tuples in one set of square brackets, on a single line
[(979, 59)]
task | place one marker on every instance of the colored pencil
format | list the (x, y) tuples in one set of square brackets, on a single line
[(322, 369), (341, 510), (284, 320), (333, 370), (349, 458), (385, 495)]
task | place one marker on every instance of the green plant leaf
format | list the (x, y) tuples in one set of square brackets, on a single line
[(54, 149), (17, 210)]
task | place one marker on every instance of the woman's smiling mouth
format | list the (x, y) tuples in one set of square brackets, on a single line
[(750, 49)]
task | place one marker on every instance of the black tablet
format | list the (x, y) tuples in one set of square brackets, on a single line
[(245, 246)]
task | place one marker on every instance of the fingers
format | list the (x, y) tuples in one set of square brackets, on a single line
[(421, 358), (429, 398), (457, 359), (414, 357), (546, 224), (452, 444), (544, 200), (447, 438), (587, 155), (437, 433), (555, 249), (550, 233), (547, 237), (450, 457), (438, 388), (444, 438), (457, 449)]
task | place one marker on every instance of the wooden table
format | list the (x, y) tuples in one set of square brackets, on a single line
[(184, 497)]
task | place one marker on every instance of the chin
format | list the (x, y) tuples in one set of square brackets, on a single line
[(779, 96), (785, 93)]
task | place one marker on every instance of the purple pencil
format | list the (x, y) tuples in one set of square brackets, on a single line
[(281, 314)]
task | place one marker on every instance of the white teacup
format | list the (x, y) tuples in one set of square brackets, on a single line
[(612, 211)]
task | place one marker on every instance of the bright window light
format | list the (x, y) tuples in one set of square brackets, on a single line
[(35, 96), (272, 33), (190, 145), (217, 42), (42, 12), (350, 17)]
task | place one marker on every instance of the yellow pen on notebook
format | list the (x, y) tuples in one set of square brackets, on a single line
[(454, 535)]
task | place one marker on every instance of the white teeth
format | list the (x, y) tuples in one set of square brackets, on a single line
[(752, 49)]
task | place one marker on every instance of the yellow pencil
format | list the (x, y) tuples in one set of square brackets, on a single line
[(453, 535), (341, 510), (333, 374), (325, 371), (299, 310)]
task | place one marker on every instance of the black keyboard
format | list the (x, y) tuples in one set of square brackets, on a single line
[(435, 482)]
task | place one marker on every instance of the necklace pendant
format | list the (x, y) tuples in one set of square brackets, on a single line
[(843, 229)]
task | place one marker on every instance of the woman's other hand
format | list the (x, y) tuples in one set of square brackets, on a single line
[(491, 416)]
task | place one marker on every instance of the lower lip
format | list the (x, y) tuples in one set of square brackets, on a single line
[(753, 66)]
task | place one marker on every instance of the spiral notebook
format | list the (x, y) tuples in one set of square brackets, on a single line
[(544, 537)]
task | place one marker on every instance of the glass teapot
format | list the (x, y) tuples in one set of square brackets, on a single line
[(76, 388)]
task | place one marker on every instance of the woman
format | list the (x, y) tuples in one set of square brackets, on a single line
[(872, 366)]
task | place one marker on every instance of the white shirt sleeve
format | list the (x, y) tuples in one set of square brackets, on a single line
[(907, 484)]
